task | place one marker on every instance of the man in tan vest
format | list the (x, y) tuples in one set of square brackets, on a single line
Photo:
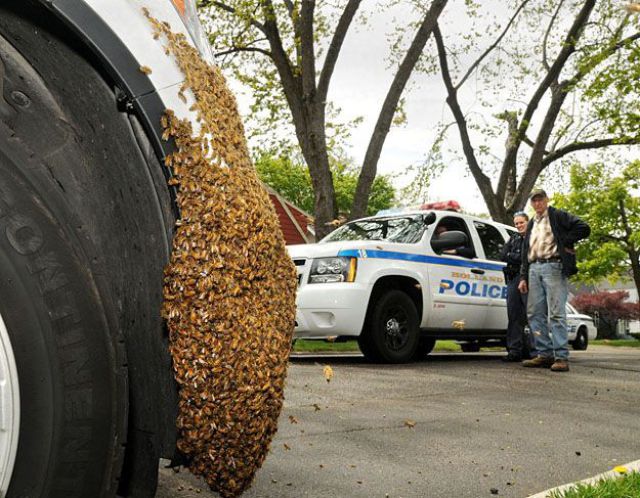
[(549, 258)]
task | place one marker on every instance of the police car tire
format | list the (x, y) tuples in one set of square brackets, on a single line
[(425, 346), (375, 340), (581, 341)]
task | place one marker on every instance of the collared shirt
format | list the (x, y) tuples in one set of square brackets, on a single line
[(542, 244)]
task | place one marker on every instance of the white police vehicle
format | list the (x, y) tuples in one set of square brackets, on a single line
[(398, 283)]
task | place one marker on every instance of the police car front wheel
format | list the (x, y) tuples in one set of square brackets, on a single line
[(391, 331)]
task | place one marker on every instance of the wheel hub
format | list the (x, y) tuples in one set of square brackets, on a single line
[(9, 409), (396, 334), (393, 327)]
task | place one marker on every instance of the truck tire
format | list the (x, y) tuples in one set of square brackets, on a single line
[(71, 370), (391, 331)]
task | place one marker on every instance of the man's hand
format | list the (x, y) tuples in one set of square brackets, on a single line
[(522, 287)]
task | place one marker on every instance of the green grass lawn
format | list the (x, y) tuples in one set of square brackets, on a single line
[(627, 486), (631, 343), (307, 346)]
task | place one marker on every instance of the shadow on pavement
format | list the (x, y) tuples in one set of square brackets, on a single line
[(358, 359)]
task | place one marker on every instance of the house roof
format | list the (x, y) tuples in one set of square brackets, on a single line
[(294, 222)]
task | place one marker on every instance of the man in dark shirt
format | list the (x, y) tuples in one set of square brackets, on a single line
[(517, 341), (548, 260)]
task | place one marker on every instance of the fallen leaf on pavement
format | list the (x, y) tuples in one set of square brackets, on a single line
[(328, 373)]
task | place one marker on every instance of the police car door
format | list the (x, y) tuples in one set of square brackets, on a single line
[(491, 241), (457, 304)]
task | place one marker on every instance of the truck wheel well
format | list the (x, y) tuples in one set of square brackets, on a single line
[(408, 285)]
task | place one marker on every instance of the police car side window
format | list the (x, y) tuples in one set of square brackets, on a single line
[(450, 223), (492, 240)]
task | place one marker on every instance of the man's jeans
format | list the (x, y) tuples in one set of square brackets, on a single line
[(546, 309)]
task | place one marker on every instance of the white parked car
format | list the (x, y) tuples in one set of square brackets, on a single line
[(398, 283), (581, 328)]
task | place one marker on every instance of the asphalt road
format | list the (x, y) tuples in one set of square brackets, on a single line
[(480, 425)]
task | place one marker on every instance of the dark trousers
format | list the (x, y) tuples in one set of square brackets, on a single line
[(517, 341)]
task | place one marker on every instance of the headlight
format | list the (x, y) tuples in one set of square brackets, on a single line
[(325, 270), (189, 15)]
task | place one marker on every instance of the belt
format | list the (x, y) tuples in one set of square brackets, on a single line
[(548, 260)]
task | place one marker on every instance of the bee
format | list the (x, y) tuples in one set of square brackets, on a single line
[(229, 288)]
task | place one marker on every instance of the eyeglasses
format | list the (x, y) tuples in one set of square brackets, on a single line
[(520, 213)]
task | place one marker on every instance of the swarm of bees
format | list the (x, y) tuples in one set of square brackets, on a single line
[(229, 290)]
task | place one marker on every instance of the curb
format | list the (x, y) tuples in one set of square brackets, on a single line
[(630, 467)]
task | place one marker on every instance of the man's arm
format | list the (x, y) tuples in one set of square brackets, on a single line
[(575, 228)]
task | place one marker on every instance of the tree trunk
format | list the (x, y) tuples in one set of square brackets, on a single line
[(370, 163), (607, 328), (634, 254), (314, 149)]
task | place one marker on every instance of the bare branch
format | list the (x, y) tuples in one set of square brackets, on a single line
[(307, 50), (545, 39), (568, 48), (290, 7), (281, 60), (576, 146), (235, 50), (482, 180), (335, 46), (473, 66), (231, 10), (390, 105), (607, 52)]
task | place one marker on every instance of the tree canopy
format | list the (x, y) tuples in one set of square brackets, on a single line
[(286, 52), (606, 197), (293, 182), (532, 83)]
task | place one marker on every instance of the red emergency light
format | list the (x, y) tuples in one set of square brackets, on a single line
[(442, 206)]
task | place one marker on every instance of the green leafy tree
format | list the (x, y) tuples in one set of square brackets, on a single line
[(293, 182), (286, 52), (609, 201), (532, 82)]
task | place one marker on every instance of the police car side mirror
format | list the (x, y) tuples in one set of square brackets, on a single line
[(449, 240), (429, 218)]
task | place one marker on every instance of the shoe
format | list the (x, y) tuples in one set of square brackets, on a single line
[(511, 358), (538, 362), (560, 366)]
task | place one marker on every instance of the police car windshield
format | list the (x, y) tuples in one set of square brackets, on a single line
[(403, 230)]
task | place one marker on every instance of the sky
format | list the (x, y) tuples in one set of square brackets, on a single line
[(359, 85)]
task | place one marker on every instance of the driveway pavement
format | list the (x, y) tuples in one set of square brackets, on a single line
[(456, 425)]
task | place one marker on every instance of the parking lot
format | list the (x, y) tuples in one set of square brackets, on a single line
[(455, 425)]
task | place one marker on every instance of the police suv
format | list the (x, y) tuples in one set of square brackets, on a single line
[(400, 282)]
